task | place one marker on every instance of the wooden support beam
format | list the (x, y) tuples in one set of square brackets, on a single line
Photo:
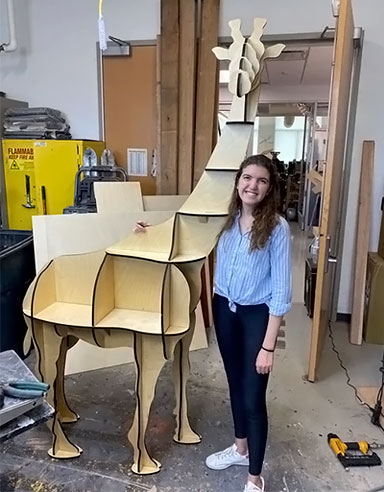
[(169, 94), (187, 93), (362, 242), (206, 117)]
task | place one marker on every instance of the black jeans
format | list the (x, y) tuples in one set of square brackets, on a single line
[(240, 336)]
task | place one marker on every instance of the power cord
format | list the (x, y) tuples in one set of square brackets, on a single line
[(377, 409)]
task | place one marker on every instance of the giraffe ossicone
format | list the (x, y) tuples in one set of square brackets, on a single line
[(246, 56)]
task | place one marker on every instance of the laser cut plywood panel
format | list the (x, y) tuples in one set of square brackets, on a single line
[(104, 292), (231, 156), (155, 244), (212, 194), (75, 276), (195, 237), (44, 293), (160, 203), (112, 197)]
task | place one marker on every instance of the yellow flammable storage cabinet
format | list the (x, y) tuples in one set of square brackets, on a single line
[(40, 176)]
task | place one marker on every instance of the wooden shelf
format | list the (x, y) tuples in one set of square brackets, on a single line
[(139, 321), (66, 313)]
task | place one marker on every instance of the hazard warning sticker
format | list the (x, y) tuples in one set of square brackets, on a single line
[(20, 158), (14, 166)]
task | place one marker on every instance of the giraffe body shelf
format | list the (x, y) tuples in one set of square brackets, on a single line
[(143, 291)]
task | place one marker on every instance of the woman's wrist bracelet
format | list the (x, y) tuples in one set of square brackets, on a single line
[(268, 350)]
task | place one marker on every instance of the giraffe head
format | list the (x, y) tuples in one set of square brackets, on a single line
[(246, 57)]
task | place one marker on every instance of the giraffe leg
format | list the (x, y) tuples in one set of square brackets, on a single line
[(66, 414), (149, 360), (181, 369), (49, 349)]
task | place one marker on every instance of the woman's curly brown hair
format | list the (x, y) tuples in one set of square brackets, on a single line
[(265, 216)]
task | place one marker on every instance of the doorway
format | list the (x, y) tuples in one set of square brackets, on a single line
[(292, 114)]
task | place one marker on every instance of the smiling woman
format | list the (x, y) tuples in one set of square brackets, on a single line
[(253, 288), (253, 185), (255, 199)]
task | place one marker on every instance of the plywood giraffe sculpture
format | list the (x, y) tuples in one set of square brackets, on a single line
[(143, 291)]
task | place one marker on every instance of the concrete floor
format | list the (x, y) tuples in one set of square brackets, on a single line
[(301, 414)]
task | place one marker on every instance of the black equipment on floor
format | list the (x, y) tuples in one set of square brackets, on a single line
[(85, 201)]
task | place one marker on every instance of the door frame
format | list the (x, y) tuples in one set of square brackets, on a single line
[(357, 58)]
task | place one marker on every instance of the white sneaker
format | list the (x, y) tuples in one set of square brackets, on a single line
[(228, 457), (251, 487)]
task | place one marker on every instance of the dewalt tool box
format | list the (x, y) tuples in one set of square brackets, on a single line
[(40, 176)]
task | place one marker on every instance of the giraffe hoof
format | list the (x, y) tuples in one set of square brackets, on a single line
[(152, 467), (69, 419), (189, 437), (62, 454)]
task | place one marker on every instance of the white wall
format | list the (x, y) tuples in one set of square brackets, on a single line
[(55, 65), (369, 126)]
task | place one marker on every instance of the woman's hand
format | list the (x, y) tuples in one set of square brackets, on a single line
[(264, 362), (141, 226)]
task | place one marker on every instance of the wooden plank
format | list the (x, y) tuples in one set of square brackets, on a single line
[(187, 92), (207, 91), (158, 113), (316, 179), (362, 241), (169, 93), (112, 197)]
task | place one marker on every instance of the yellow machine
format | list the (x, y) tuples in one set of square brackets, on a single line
[(40, 176), (357, 453)]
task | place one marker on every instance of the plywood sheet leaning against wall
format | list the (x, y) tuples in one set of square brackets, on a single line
[(143, 290), (362, 241)]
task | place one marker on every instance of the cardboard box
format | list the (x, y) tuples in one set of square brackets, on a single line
[(373, 331), (381, 238)]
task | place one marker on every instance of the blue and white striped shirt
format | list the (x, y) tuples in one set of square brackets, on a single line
[(260, 276)]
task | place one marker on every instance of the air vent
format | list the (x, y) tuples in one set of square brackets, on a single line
[(137, 162), (292, 55)]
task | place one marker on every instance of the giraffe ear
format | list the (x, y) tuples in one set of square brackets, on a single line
[(221, 53), (235, 26), (273, 51)]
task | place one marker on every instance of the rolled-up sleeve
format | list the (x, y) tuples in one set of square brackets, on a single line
[(281, 269)]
